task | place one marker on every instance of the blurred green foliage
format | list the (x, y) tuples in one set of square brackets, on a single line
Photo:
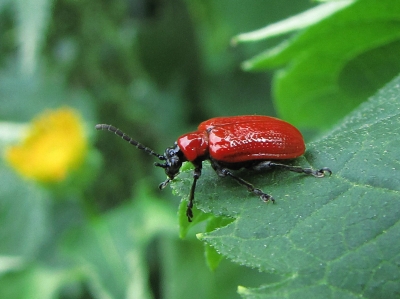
[(155, 69), (334, 65)]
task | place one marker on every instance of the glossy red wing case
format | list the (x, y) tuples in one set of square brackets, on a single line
[(244, 138), (228, 120)]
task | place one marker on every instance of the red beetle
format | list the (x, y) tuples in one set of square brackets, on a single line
[(231, 143)]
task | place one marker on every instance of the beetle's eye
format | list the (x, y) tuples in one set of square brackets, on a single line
[(171, 152)]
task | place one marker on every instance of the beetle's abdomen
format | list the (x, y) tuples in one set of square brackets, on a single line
[(260, 138)]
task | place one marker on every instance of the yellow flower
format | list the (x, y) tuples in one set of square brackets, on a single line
[(55, 145)]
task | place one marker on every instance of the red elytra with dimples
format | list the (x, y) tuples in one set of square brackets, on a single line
[(231, 143), (243, 138)]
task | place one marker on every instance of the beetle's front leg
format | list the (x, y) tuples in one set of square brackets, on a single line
[(318, 173), (196, 176), (222, 172)]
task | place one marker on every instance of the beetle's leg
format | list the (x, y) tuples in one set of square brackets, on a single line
[(318, 173), (221, 171), (164, 184), (196, 176)]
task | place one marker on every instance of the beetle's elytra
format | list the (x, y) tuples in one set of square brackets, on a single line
[(231, 143)]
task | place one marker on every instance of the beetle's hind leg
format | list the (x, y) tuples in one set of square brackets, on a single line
[(250, 187), (318, 173), (221, 171)]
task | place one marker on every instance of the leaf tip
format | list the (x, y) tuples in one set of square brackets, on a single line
[(242, 290), (200, 236), (247, 66), (234, 41)]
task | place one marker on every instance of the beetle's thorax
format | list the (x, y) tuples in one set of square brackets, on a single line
[(194, 145)]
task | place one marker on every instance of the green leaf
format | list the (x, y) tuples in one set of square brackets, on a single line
[(297, 22), (24, 222), (332, 66), (336, 236), (34, 282), (33, 19)]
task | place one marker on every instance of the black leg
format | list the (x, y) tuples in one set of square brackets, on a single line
[(318, 173), (196, 176), (221, 171)]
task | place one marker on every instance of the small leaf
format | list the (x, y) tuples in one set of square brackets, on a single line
[(184, 224), (336, 236)]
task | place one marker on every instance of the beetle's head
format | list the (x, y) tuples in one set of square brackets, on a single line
[(173, 158)]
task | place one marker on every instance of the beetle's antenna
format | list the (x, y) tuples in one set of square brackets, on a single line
[(121, 134)]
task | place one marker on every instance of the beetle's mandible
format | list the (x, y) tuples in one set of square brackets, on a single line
[(230, 143)]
